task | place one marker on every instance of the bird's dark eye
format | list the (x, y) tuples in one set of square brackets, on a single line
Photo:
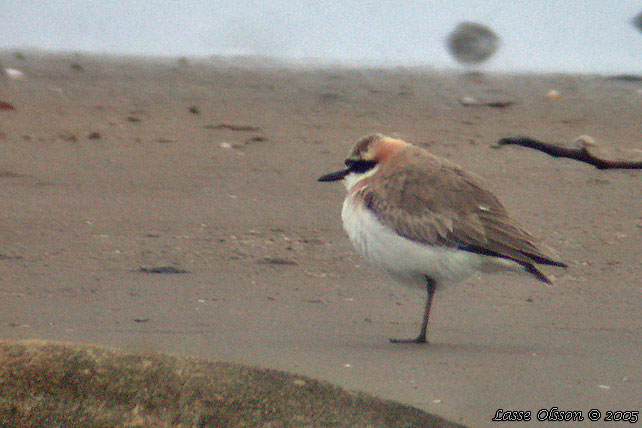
[(360, 166)]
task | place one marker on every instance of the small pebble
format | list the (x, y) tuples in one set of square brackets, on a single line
[(468, 101), (553, 95)]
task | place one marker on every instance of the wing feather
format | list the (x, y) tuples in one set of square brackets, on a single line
[(431, 201)]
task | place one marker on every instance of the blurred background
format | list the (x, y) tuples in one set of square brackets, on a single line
[(546, 35)]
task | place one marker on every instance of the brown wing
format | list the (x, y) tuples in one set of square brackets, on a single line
[(442, 204)]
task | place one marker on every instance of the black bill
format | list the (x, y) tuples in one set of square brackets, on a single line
[(334, 176)]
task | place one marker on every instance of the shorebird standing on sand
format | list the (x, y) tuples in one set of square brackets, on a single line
[(427, 222)]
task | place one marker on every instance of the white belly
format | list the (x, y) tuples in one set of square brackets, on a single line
[(405, 259)]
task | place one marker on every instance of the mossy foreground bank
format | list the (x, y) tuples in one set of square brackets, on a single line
[(45, 384)]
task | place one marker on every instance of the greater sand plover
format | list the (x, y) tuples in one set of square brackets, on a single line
[(426, 221)]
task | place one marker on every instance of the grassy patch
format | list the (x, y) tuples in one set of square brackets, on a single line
[(45, 384)]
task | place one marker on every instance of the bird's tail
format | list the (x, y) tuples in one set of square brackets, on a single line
[(530, 268)]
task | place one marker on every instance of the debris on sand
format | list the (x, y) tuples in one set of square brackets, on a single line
[(162, 269), (9, 174), (330, 98), (474, 102), (194, 109), (6, 106), (277, 261), (585, 150), (10, 257), (626, 77), (68, 136), (14, 73), (253, 140), (553, 95), (472, 43), (232, 127), (162, 140), (256, 139)]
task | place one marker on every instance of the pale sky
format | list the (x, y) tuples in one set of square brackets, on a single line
[(537, 35)]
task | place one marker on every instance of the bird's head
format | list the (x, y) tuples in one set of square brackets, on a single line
[(365, 158)]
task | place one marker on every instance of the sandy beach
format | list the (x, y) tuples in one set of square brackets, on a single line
[(172, 206)]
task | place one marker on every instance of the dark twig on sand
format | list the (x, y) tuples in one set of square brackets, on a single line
[(162, 269), (582, 154), (233, 127)]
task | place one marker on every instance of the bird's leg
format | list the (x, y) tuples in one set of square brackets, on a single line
[(430, 289)]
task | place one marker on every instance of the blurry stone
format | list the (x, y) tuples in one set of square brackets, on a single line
[(472, 43)]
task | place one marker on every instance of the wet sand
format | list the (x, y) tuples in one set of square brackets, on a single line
[(110, 165)]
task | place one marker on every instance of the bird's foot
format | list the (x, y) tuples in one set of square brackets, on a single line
[(418, 339)]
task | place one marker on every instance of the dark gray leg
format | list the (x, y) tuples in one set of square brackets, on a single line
[(430, 289)]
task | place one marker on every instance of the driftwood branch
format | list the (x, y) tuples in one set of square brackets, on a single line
[(582, 153)]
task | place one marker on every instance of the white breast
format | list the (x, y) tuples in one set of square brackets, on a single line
[(405, 259)]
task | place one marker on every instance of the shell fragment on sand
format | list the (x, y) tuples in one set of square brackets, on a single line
[(608, 152), (14, 73)]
